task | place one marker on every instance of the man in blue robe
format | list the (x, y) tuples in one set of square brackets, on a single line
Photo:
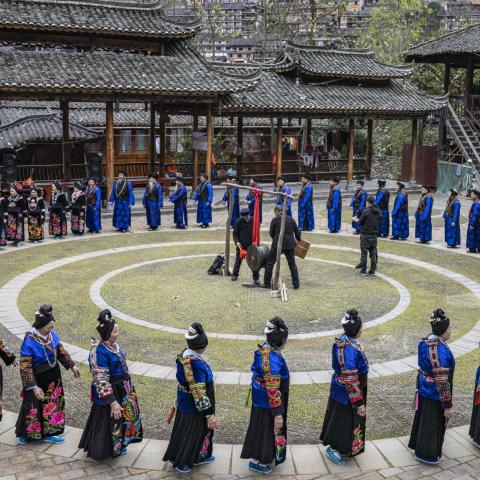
[(473, 232), (93, 196), (306, 220), (382, 200), (284, 188), (452, 220), (400, 225), (123, 199), (153, 202), (236, 200), (358, 202), (251, 198), (179, 199), (334, 206), (423, 216), (204, 196)]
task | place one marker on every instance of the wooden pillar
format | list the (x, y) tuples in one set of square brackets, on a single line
[(279, 150), (421, 131), (369, 152), (446, 79), (195, 156), (413, 164), (109, 151), (163, 145), (307, 133), (66, 148), (442, 130), (468, 87), (351, 141), (240, 147), (153, 146), (208, 167)]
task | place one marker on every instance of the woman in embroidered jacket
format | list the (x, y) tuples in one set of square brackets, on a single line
[(191, 442), (93, 196), (475, 420), (266, 437), (57, 225), (114, 421), (42, 415), (423, 216), (123, 199), (343, 431), (8, 358), (433, 401), (152, 202), (77, 207), (15, 216), (3, 221), (35, 216), (452, 220)]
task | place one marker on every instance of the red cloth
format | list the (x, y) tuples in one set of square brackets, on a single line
[(256, 217), (243, 253)]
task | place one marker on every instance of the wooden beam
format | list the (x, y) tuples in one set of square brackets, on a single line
[(66, 147), (413, 165), (208, 166), (240, 147), (351, 141), (195, 156), (369, 152), (109, 152), (468, 87), (153, 145), (279, 150), (163, 145)]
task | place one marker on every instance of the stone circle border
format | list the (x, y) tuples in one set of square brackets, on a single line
[(98, 300), (13, 320)]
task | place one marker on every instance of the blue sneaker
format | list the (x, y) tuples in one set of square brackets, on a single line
[(54, 439), (334, 456), (256, 467), (429, 460), (183, 469), (123, 451), (206, 461), (21, 440)]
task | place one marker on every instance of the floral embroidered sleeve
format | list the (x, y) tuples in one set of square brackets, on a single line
[(198, 387), (350, 377), (441, 375), (101, 377), (272, 382), (64, 358), (26, 366), (5, 353)]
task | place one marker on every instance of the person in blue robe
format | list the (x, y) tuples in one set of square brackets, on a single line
[(423, 216), (433, 403), (306, 219), (474, 430), (123, 199), (382, 200), (284, 188), (473, 231), (42, 413), (179, 199), (204, 196), (266, 438), (236, 200), (400, 225), (115, 420), (343, 431), (251, 198), (191, 441), (8, 358), (152, 202), (359, 200), (451, 216), (334, 206), (93, 197)]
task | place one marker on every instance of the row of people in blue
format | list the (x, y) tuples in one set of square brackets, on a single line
[(115, 420)]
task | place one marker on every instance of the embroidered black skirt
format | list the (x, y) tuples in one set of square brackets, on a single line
[(191, 440), (428, 430), (474, 431)]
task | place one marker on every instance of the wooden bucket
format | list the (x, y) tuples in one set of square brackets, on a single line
[(301, 249), (257, 256)]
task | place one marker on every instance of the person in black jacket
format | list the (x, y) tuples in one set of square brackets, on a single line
[(242, 236), (290, 237), (369, 223)]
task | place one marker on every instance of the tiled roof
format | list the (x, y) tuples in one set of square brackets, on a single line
[(91, 17), (120, 73), (44, 128), (343, 63), (460, 42)]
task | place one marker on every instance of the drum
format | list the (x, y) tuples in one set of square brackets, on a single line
[(257, 256)]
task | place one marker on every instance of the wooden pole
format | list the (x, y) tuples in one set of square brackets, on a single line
[(66, 148), (208, 167), (227, 231), (446, 79), (275, 283), (163, 145), (240, 147), (468, 87), (195, 157), (421, 131), (351, 140), (109, 147), (307, 137), (413, 165), (369, 156), (442, 130), (264, 192), (153, 146), (279, 150)]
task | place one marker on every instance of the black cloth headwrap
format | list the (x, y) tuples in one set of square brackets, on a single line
[(43, 316), (105, 324), (196, 337), (276, 332), (352, 323), (439, 322)]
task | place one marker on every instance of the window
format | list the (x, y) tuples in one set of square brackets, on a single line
[(141, 138), (125, 141)]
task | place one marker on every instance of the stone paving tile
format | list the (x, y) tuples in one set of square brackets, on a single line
[(371, 459), (390, 472), (308, 459)]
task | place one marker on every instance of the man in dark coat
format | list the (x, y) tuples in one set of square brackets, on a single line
[(242, 236), (369, 223), (290, 237)]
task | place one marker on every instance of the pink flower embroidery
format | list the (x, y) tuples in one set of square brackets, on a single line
[(32, 412), (34, 427), (58, 418), (280, 441), (56, 393), (49, 408)]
